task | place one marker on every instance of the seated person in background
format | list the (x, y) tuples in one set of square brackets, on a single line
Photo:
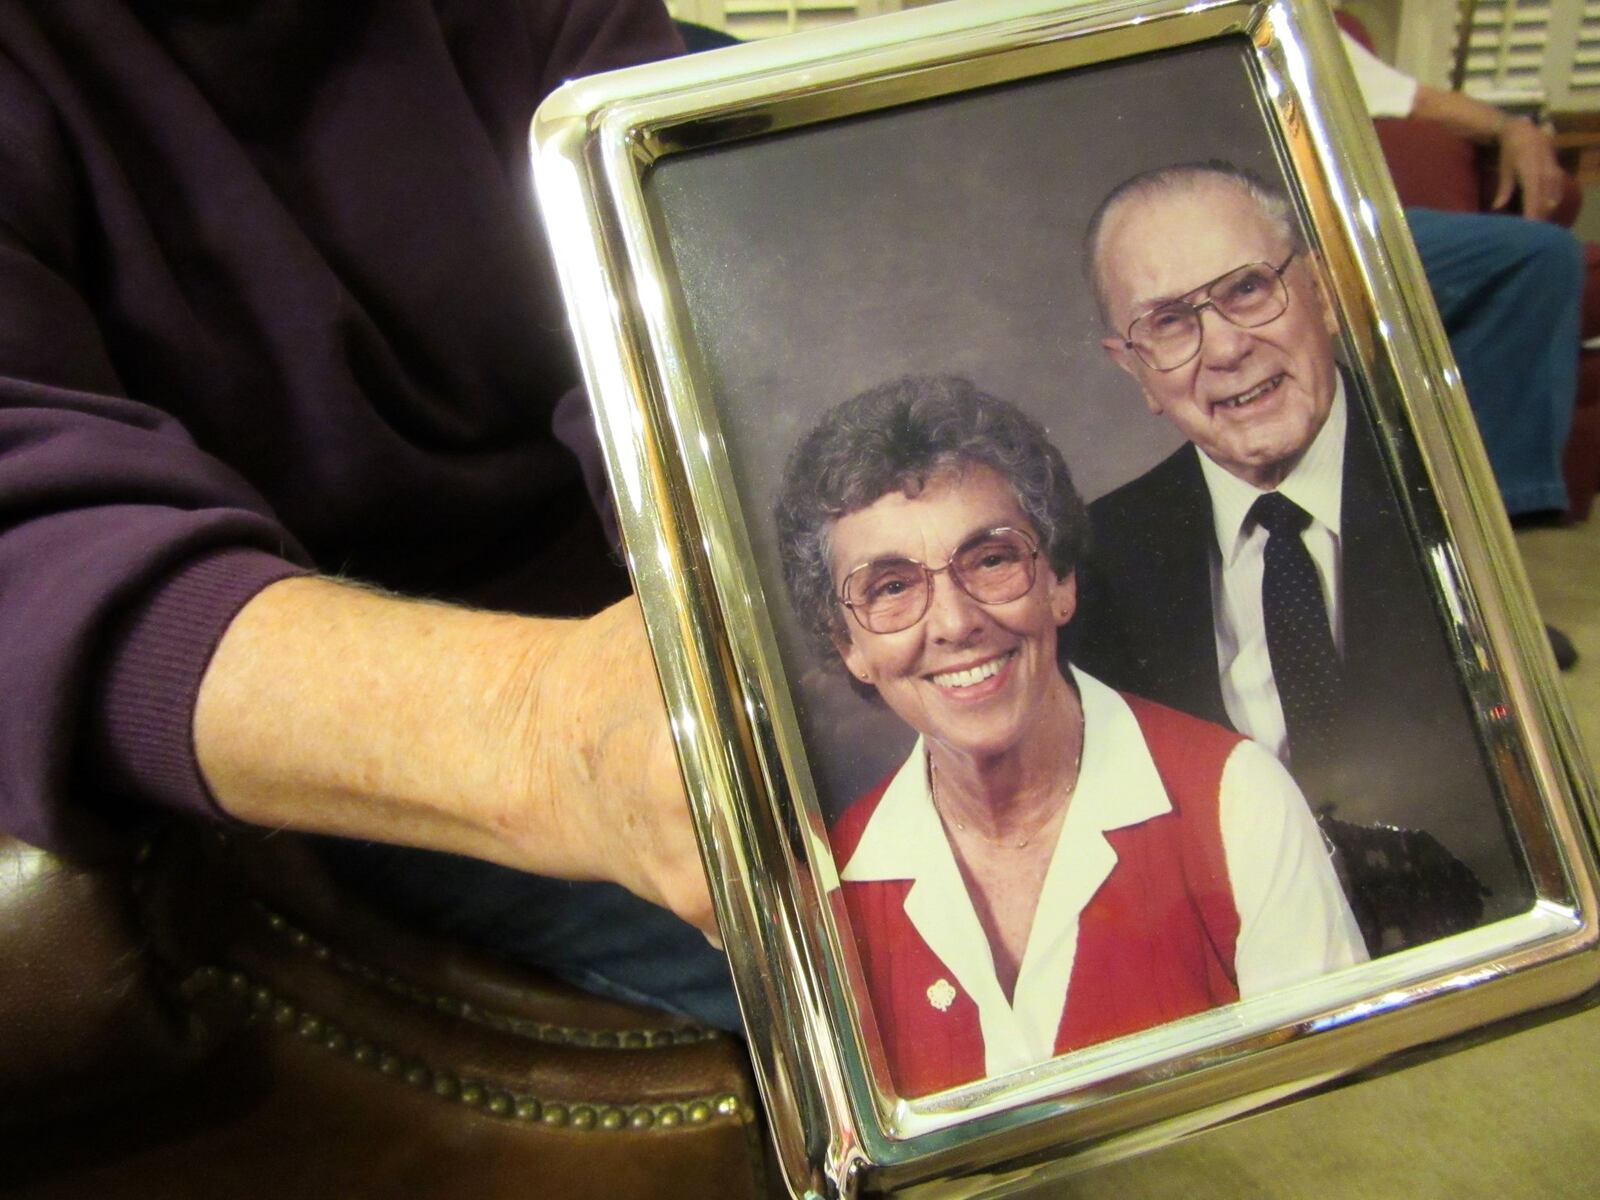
[(1508, 289), (1055, 864), (1261, 576), (273, 303)]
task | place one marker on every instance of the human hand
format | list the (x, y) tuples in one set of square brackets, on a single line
[(609, 784), (1528, 162), (539, 744)]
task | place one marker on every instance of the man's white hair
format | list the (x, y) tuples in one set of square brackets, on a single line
[(1178, 178)]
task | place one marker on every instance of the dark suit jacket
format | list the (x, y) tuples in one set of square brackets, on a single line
[(1144, 625)]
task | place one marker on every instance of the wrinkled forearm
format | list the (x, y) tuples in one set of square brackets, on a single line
[(1526, 155), (1470, 118), (540, 744), (333, 708)]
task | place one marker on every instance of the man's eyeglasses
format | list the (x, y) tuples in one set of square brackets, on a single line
[(1169, 335), (891, 594)]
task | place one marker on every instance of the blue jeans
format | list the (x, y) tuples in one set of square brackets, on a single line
[(1509, 290), (595, 936)]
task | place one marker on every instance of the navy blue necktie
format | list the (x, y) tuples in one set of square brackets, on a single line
[(1305, 663)]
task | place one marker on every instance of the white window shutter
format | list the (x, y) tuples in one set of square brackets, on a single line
[(1543, 52), (1583, 82), (1507, 50), (751, 19)]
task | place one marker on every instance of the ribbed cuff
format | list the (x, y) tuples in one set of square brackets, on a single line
[(153, 674)]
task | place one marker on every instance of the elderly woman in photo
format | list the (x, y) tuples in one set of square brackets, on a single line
[(1056, 863)]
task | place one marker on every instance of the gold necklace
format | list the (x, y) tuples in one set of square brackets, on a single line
[(933, 793)]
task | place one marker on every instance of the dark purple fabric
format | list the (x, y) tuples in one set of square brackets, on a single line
[(272, 298)]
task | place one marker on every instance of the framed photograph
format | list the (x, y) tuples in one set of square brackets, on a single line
[(1096, 652)]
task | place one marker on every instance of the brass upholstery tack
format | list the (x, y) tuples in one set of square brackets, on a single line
[(279, 1012), (628, 1039)]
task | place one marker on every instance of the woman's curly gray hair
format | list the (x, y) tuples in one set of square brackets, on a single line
[(894, 438)]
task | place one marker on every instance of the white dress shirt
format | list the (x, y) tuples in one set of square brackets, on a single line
[(1294, 923), (1249, 692)]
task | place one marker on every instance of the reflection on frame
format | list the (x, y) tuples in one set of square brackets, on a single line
[(1084, 648)]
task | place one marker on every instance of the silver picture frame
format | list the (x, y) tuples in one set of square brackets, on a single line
[(763, 191)]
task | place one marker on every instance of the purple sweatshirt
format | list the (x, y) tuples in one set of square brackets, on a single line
[(272, 298)]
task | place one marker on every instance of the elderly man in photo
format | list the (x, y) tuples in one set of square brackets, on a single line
[(1261, 576)]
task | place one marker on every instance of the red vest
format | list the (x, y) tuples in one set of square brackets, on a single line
[(1155, 943)]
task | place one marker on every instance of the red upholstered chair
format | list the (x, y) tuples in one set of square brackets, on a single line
[(1435, 168)]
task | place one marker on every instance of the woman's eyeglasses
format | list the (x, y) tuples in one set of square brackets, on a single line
[(891, 594), (1170, 334)]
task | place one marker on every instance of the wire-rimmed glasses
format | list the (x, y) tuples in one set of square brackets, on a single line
[(1170, 334), (887, 595)]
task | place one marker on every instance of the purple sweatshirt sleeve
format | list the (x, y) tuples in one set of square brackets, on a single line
[(126, 547), (107, 510)]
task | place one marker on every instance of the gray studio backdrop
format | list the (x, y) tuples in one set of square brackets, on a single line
[(938, 238)]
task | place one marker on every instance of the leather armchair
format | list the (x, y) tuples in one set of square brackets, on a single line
[(215, 1018)]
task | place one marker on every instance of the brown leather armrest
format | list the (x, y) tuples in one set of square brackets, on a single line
[(354, 1057), (83, 1018)]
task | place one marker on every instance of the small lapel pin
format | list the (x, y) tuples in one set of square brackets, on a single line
[(941, 994)]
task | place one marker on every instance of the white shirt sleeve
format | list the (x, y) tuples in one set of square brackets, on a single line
[(1294, 922), (1385, 91)]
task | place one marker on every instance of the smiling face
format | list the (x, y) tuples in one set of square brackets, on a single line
[(972, 678), (1252, 399)]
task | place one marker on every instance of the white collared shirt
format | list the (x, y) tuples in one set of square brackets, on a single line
[(1294, 923), (1385, 92), (1249, 692)]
